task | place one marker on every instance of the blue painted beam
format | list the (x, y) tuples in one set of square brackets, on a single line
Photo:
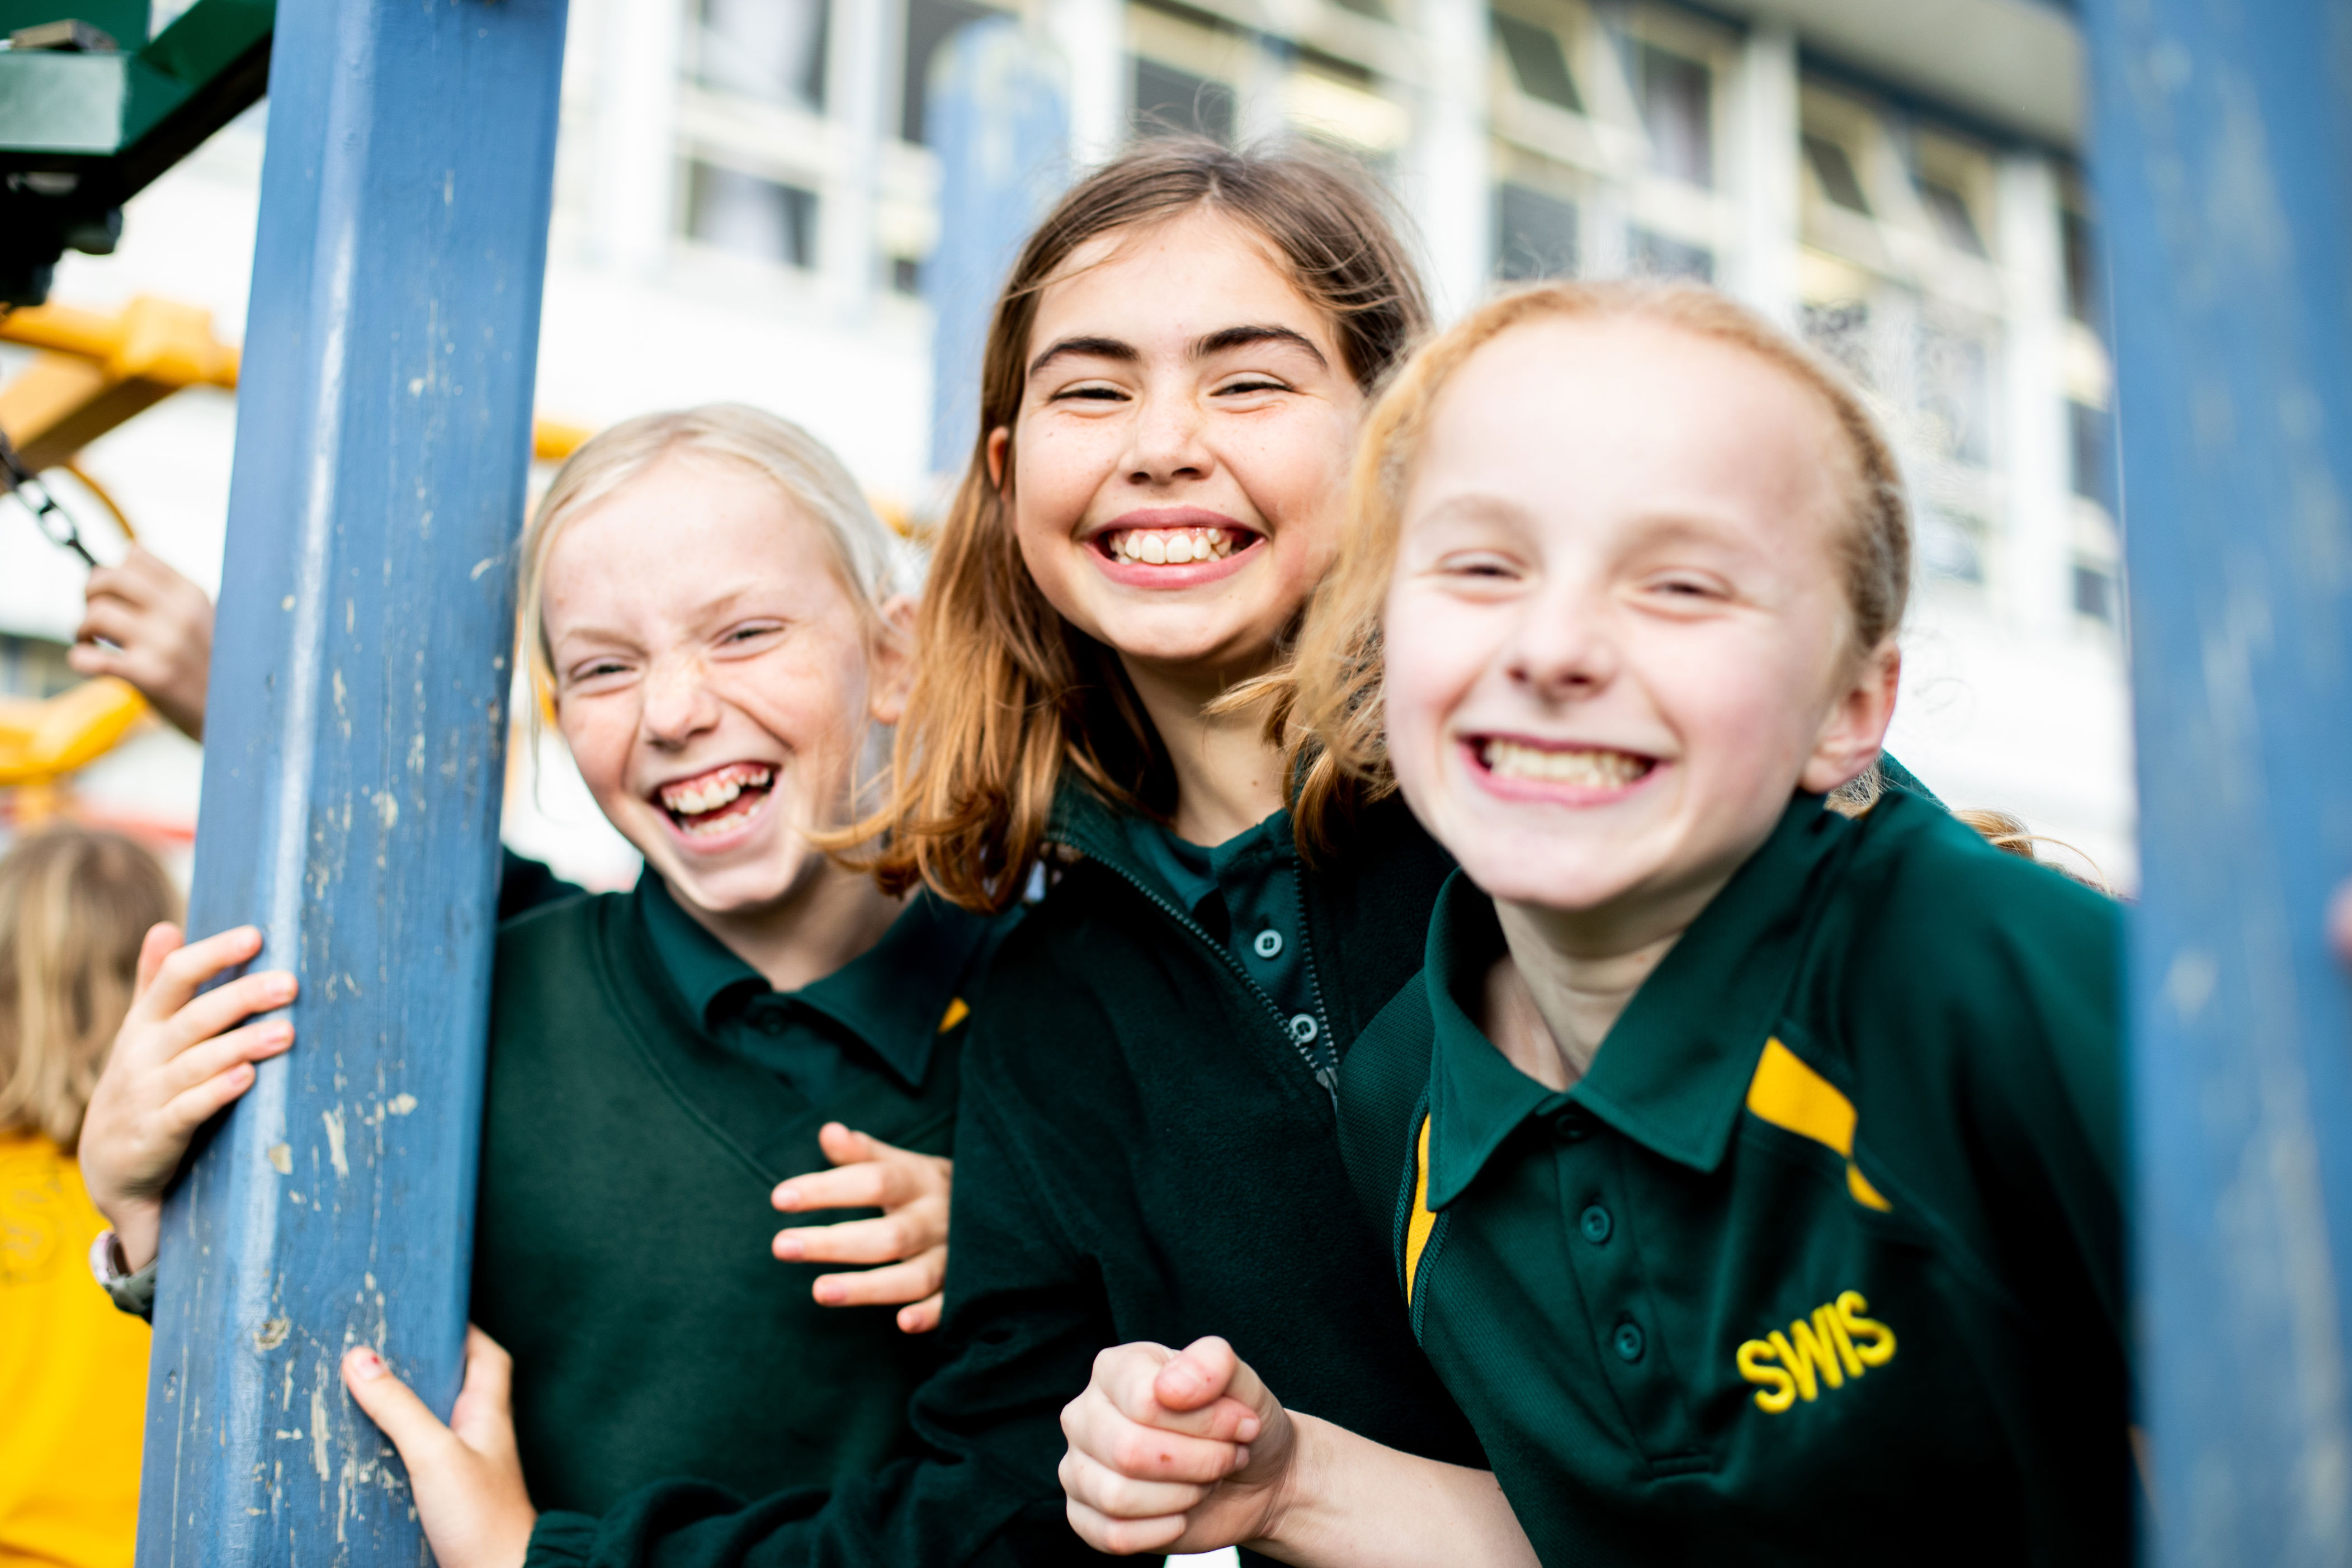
[(2223, 170), (354, 763)]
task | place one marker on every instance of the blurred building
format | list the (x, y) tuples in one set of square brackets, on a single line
[(745, 206)]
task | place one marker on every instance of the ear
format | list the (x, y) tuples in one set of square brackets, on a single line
[(1854, 730), (999, 442), (893, 660)]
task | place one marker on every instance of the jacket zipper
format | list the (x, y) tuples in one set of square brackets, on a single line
[(1329, 1077)]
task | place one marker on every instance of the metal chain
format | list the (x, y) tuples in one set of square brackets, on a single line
[(54, 521)]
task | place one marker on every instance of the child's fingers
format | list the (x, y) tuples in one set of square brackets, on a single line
[(872, 1184), (1196, 1374), (483, 1418), (191, 1107), (908, 1281), (1123, 1537), (162, 941), (414, 1429), (885, 1239), (219, 1010), (923, 1316), (1123, 1380), (209, 1058), (847, 1146), (1110, 1490), (185, 969)]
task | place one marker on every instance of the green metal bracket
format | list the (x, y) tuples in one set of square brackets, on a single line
[(81, 132)]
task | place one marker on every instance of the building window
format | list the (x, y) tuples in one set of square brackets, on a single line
[(1955, 395), (1833, 168), (1656, 256), (772, 50), (1949, 211), (1674, 94), (2090, 465), (905, 275), (1535, 235), (1168, 101), (730, 210), (2082, 261), (1951, 546), (2094, 592), (1838, 331), (928, 23), (1539, 63)]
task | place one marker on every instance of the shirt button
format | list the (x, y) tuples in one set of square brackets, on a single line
[(1268, 945), (1596, 1224), (1629, 1343), (1571, 1126), (1302, 1028)]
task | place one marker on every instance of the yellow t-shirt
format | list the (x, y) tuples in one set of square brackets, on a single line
[(73, 1375)]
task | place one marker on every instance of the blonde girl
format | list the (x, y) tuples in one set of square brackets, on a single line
[(1751, 1170), (74, 904), (711, 606), (1147, 1144)]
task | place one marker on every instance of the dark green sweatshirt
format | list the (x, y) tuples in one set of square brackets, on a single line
[(647, 1091), (1142, 1152)]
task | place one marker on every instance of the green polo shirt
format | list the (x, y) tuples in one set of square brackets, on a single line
[(647, 1091), (1244, 897), (1823, 1260)]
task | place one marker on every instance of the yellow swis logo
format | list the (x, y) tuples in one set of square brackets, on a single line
[(1834, 1344)]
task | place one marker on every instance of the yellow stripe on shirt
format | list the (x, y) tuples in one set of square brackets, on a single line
[(1789, 1094), (1418, 1226)]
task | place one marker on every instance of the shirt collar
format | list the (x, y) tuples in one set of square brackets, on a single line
[(1148, 852), (1674, 1068), (893, 996)]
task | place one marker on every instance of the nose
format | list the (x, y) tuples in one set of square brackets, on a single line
[(678, 702), (1166, 446), (1562, 648)]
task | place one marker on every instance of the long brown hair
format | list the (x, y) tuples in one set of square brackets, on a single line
[(1008, 694), (1330, 706), (75, 904)]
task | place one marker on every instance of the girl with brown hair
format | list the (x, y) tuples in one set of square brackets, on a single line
[(1147, 1141), (74, 905)]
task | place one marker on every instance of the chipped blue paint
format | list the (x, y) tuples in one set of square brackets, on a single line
[(355, 763), (2223, 166)]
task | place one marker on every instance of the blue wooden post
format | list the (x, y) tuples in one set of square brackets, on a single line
[(2223, 167), (355, 763), (998, 116)]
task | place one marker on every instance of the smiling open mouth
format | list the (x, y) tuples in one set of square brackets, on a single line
[(712, 802), (1580, 767), (1174, 546)]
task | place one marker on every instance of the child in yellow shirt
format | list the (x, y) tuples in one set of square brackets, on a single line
[(73, 1370)]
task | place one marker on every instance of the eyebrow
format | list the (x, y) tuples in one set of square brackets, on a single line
[(1216, 342)]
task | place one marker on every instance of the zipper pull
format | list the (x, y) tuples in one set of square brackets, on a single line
[(1329, 1079)]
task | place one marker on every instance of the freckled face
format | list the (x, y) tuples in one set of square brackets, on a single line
[(714, 679), (1179, 461), (1616, 639)]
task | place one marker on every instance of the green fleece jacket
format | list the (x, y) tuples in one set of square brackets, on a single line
[(1143, 1150)]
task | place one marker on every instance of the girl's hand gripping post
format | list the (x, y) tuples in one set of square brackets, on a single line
[(467, 1475), (909, 1241), (180, 1057)]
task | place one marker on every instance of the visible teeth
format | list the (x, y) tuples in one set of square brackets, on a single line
[(1171, 546), (713, 791), (1590, 768)]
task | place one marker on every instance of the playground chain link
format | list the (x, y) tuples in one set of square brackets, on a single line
[(55, 522)]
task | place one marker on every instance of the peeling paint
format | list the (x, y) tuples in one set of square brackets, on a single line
[(271, 1334), (387, 809), (281, 1158), (334, 1123), (401, 1104)]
